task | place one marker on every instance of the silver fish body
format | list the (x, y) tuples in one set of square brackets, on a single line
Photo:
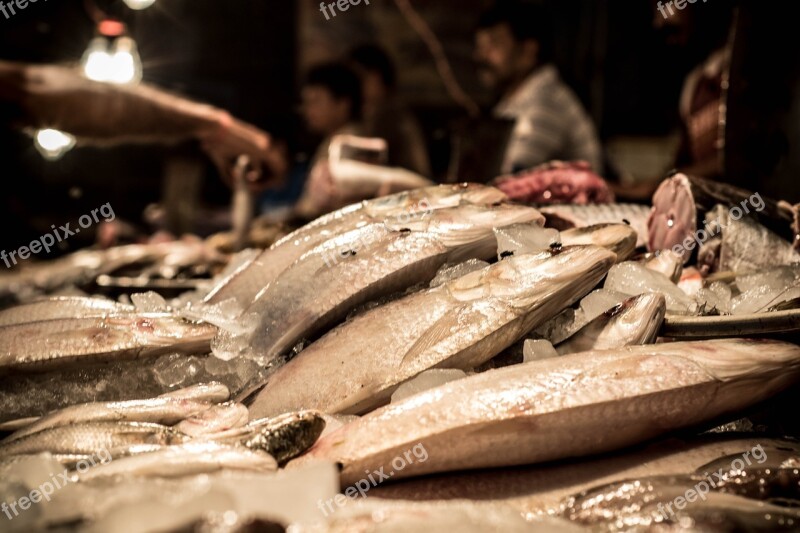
[(214, 419), (461, 324), (56, 343), (249, 281), (635, 321), (61, 307), (528, 413), (323, 286), (213, 392), (564, 217), (90, 437)]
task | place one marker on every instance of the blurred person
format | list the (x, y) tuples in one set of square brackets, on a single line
[(331, 105), (49, 96), (513, 51), (383, 115)]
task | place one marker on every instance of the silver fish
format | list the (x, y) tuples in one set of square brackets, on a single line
[(90, 437), (619, 238), (184, 460), (166, 411), (245, 284), (528, 413), (635, 321), (212, 392), (461, 324), (564, 217), (61, 307), (323, 286), (56, 343)]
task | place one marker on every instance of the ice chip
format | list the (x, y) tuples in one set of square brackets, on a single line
[(427, 380), (536, 349), (149, 302), (634, 279), (176, 370), (524, 239)]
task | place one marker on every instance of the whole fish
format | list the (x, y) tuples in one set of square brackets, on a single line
[(328, 282), (90, 437), (167, 411), (619, 238), (184, 460), (567, 216), (61, 307), (635, 321), (460, 324), (56, 343), (528, 413), (245, 284), (547, 489)]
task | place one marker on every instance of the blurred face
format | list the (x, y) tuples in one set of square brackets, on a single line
[(323, 112), (502, 60)]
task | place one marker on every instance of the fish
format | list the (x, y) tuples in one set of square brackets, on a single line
[(58, 343), (564, 217), (546, 489), (245, 284), (184, 460), (212, 392), (635, 321), (460, 324), (527, 413), (166, 411), (88, 438), (286, 436), (619, 238), (641, 504), (328, 282), (214, 419), (61, 307)]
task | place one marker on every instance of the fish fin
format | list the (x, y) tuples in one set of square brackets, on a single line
[(464, 318)]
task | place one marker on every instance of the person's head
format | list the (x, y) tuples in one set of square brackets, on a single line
[(512, 39), (331, 98), (377, 71)]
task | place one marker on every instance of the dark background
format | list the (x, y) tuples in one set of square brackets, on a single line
[(248, 56)]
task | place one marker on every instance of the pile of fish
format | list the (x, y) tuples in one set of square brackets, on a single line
[(442, 356)]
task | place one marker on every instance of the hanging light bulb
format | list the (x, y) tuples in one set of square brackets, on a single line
[(139, 4), (53, 144), (96, 60)]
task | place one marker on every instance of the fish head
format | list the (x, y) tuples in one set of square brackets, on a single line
[(637, 319), (746, 359), (161, 328), (465, 224), (523, 280), (429, 199)]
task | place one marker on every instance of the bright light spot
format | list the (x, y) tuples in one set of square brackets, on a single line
[(53, 144), (139, 4), (112, 63)]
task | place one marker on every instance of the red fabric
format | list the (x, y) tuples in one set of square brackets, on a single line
[(557, 182)]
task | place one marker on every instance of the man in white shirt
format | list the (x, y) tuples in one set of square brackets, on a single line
[(513, 52)]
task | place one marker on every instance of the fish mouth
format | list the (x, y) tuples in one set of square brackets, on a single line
[(482, 194), (644, 312)]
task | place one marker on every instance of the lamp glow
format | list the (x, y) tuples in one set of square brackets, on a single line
[(117, 63), (139, 4), (53, 144)]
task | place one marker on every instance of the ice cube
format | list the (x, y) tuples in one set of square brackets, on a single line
[(427, 380), (149, 302), (536, 349), (634, 279), (524, 239), (177, 370), (450, 272)]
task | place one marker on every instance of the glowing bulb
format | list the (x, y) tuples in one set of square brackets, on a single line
[(139, 4), (118, 63), (53, 144)]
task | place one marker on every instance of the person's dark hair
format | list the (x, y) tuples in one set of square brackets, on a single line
[(341, 81), (526, 21), (375, 59)]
